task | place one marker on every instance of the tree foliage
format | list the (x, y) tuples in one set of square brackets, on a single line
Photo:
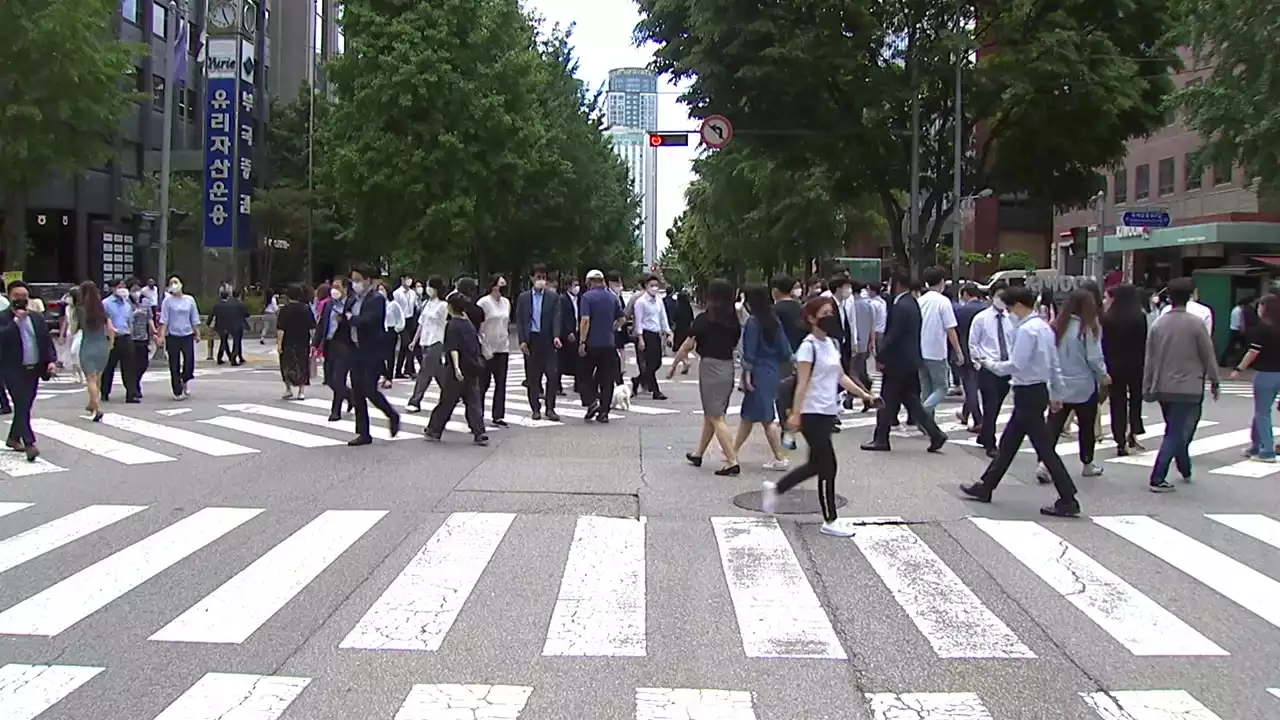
[(463, 140), (64, 88), (830, 83), (1236, 110), (299, 203)]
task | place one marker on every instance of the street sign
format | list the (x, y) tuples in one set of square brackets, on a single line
[(716, 131), (1147, 217)]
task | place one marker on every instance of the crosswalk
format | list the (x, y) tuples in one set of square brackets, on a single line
[(602, 590), (65, 383)]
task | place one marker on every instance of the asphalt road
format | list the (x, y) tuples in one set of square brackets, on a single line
[(230, 557)]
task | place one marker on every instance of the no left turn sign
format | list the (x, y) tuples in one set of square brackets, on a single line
[(716, 131)]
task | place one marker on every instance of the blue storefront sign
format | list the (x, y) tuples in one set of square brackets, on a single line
[(1150, 217), (244, 149), (220, 126)]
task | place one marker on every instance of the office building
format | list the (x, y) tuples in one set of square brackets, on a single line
[(631, 112)]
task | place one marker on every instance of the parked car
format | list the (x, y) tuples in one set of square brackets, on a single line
[(52, 294)]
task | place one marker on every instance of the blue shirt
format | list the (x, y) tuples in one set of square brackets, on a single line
[(30, 347), (119, 312), (603, 308), (1033, 360), (335, 315), (1080, 360), (535, 323), (179, 315)]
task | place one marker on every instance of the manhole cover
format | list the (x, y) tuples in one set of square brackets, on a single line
[(795, 502)]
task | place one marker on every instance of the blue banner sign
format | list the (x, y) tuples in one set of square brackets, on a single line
[(1146, 218), (219, 163), (244, 169)]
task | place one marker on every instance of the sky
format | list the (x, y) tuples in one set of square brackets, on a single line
[(602, 41)]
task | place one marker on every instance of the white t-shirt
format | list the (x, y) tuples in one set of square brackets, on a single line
[(495, 331), (937, 316), (823, 394)]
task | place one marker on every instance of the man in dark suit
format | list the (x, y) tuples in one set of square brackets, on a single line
[(568, 355), (27, 356), (966, 310), (366, 312), (539, 324), (899, 362)]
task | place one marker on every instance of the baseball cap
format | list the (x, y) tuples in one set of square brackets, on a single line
[(595, 275)]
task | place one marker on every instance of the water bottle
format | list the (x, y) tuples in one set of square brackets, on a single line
[(788, 440)]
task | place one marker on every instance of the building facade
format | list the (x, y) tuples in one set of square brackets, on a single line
[(631, 113)]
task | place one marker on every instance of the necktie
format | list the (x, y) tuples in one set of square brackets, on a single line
[(1004, 344)]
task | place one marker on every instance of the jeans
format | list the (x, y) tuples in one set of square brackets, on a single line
[(1262, 440), (1180, 421), (934, 384), (972, 409)]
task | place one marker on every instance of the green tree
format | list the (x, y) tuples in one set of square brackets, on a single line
[(1236, 109), (64, 88), (186, 198), (833, 86)]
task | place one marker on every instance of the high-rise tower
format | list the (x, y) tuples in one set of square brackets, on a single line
[(631, 111)]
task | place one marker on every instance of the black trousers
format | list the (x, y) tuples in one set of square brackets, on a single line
[(1126, 406), (22, 383), (541, 373), (390, 339), (453, 390), (182, 361), (899, 388), (231, 344), (1028, 422), (405, 357), (600, 371), (817, 430), (993, 389), (367, 365), (495, 373), (652, 360), (4, 395), (141, 362), (1086, 417), (337, 375), (123, 355)]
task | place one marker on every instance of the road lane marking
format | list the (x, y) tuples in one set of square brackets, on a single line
[(1136, 621), (50, 612), (927, 706), (16, 465), (202, 444), (303, 418), (235, 611), (666, 703), (428, 405), (779, 615), (436, 702), (420, 606), (1234, 580), (600, 611), (99, 445), (26, 691), (1198, 447), (288, 436), (405, 418), (1147, 705), (228, 696), (1258, 527), (8, 508), (949, 615), (54, 534)]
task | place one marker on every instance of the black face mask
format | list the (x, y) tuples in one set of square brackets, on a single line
[(19, 304), (831, 325)]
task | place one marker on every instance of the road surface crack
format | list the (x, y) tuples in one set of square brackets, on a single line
[(844, 633)]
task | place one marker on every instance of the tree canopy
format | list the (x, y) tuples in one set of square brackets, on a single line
[(64, 87), (830, 84), (1236, 109), (463, 140)]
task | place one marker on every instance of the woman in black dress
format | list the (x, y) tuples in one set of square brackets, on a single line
[(294, 323)]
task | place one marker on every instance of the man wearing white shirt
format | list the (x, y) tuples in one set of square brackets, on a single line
[(410, 305), (652, 330), (991, 336), (937, 331)]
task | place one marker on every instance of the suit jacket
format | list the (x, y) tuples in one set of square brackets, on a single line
[(551, 315), (965, 313), (568, 317), (371, 322), (11, 342), (900, 347)]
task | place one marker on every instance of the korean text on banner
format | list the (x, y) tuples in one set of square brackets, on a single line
[(244, 148), (219, 157)]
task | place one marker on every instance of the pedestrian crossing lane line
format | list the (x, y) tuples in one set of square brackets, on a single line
[(1249, 467), (9, 508), (98, 445), (202, 444), (1234, 580), (303, 418), (229, 696), (779, 615), (233, 612), (1136, 621), (1198, 447), (288, 436), (668, 703), (1258, 527), (420, 606), (437, 702), (52, 611), (52, 535), (950, 616), (406, 419), (1275, 692), (600, 611), (16, 465), (428, 404), (1147, 705), (929, 706), (1154, 432), (26, 691)]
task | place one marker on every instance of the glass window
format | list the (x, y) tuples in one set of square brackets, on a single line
[(319, 36), (160, 19), (1142, 182), (1121, 194), (342, 43), (157, 91), (139, 79), (1222, 173), (129, 10), (1164, 176), (1194, 173)]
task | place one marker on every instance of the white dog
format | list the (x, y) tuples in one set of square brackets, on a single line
[(621, 397)]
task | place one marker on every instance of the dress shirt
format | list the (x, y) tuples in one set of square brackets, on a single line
[(431, 323), (651, 316), (1198, 309), (535, 322), (179, 315), (407, 299), (394, 319), (335, 315), (354, 303), (30, 346), (864, 313), (881, 313), (1034, 358), (119, 312), (1236, 319), (984, 340)]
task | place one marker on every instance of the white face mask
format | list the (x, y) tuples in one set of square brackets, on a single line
[(653, 290), (539, 284), (846, 292), (998, 304), (358, 288), (175, 288), (335, 293), (122, 293), (796, 293)]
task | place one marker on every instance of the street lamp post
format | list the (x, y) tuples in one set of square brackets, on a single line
[(959, 121), (173, 22), (1100, 258), (963, 205)]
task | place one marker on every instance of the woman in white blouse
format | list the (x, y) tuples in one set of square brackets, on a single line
[(495, 344), (394, 324), (430, 337)]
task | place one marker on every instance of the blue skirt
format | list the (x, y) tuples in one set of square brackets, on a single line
[(758, 406)]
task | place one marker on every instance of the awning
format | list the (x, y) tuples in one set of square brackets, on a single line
[(1273, 260)]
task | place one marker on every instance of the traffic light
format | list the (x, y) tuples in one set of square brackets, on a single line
[(1079, 241), (669, 139)]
